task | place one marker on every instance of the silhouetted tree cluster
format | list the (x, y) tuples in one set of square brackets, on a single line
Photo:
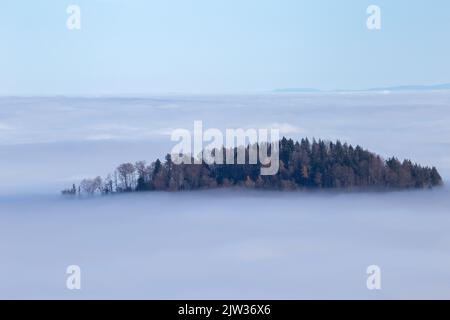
[(304, 164)]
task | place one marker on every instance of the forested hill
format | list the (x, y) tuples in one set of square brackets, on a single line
[(304, 164)]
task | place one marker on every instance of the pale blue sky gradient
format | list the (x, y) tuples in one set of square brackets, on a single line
[(219, 46)]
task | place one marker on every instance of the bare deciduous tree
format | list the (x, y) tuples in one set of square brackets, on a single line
[(90, 186), (126, 175)]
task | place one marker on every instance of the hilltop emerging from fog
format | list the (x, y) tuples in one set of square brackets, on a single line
[(301, 165)]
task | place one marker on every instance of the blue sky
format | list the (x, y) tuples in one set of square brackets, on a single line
[(219, 46)]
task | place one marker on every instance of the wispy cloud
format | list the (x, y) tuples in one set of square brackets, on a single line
[(287, 128)]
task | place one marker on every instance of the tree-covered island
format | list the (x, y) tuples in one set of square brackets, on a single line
[(302, 165)]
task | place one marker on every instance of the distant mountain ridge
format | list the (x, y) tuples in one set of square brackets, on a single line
[(297, 90), (443, 86)]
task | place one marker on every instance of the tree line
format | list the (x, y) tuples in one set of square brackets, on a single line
[(304, 164)]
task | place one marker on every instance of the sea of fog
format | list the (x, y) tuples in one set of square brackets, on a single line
[(220, 243)]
